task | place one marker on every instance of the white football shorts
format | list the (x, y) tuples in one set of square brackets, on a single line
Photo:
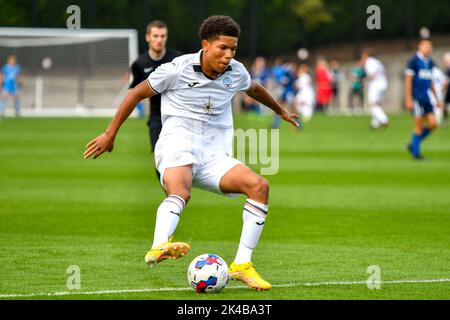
[(184, 141), (376, 92)]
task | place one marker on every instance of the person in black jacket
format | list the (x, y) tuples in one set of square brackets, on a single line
[(146, 63)]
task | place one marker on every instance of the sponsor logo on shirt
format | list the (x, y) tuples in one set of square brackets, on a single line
[(425, 74), (193, 84)]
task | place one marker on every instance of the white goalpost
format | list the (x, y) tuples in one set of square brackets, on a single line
[(66, 72)]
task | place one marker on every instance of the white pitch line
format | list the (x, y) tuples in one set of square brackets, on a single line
[(144, 290)]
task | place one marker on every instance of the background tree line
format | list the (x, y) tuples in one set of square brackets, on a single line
[(270, 27)]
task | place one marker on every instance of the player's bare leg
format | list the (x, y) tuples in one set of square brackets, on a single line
[(240, 179), (3, 103), (178, 183), (432, 121), (16, 105)]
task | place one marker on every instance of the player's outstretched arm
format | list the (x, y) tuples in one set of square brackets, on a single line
[(259, 93), (105, 141)]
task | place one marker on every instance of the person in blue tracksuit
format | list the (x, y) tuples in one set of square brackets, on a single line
[(9, 77)]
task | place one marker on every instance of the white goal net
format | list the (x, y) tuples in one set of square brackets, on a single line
[(70, 72)]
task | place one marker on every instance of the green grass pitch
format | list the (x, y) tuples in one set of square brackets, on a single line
[(345, 198)]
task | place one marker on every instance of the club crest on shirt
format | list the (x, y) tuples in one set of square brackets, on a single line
[(227, 82)]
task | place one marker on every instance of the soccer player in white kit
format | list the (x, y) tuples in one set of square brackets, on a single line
[(194, 147), (377, 87), (439, 82)]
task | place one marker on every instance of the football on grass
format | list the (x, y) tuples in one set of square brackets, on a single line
[(208, 273)]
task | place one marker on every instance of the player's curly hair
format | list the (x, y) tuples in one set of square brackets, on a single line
[(216, 26)]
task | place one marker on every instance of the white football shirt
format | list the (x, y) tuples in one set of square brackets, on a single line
[(375, 70), (439, 79), (187, 92)]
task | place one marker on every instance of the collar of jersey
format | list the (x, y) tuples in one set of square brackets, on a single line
[(197, 66), (156, 60), (422, 57)]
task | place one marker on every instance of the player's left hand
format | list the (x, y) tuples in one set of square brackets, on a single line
[(290, 117)]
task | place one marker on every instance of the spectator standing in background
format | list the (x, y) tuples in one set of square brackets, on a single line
[(261, 74), (336, 76), (284, 77), (324, 85), (357, 76)]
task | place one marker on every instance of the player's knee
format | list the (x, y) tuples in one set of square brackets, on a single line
[(186, 195), (432, 125), (418, 129), (182, 193)]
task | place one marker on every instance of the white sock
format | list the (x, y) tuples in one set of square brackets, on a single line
[(167, 218), (254, 216)]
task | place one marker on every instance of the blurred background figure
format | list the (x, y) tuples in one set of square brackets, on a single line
[(304, 99), (447, 88), (284, 77), (261, 74), (336, 76), (324, 85), (10, 83), (356, 96), (418, 92), (439, 81), (377, 86)]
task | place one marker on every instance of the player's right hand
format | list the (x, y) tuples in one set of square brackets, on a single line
[(409, 104), (290, 117), (99, 145)]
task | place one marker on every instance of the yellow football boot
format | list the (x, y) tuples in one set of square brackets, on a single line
[(246, 272), (168, 250)]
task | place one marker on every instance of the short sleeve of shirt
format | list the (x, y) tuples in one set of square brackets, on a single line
[(245, 80), (164, 78), (411, 68)]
